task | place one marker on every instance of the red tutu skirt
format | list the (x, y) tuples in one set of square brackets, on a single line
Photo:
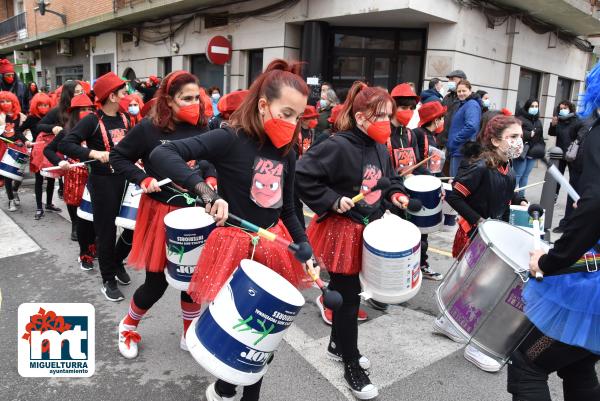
[(227, 246), (461, 242), (75, 180), (337, 243), (148, 249), (38, 161)]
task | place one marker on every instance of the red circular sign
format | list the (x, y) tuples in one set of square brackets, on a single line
[(218, 50)]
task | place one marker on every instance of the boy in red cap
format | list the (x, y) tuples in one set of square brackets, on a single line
[(102, 131), (10, 82)]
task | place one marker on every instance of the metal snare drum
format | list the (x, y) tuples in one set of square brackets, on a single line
[(481, 295)]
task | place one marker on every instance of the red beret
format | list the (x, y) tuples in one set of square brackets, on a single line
[(430, 111), (231, 101), (82, 100), (6, 66), (310, 112), (107, 84)]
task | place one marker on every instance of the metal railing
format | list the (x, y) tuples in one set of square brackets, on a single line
[(120, 4), (12, 25)]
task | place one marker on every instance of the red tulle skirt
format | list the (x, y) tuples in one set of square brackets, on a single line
[(461, 242), (75, 180), (337, 243), (227, 246), (148, 250), (38, 161)]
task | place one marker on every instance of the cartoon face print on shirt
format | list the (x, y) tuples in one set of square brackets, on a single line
[(117, 135), (371, 175), (267, 180), (9, 130), (404, 157)]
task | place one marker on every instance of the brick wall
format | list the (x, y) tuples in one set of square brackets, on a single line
[(6, 9), (75, 11)]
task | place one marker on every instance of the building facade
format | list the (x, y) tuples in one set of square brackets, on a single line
[(514, 51)]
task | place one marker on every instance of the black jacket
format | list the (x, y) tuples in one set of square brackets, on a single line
[(452, 102), (533, 134), (582, 132), (18, 88), (565, 131), (343, 165)]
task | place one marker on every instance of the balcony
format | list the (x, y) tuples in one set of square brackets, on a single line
[(120, 4), (13, 28)]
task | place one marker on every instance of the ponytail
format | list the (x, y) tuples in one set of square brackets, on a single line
[(362, 98)]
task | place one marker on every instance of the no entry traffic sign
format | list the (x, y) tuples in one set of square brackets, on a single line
[(218, 50)]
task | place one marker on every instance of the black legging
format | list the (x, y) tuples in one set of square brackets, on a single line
[(11, 187), (86, 235), (251, 393), (344, 328), (39, 186), (153, 289), (538, 356), (123, 246)]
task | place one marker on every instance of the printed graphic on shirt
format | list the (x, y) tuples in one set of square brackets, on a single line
[(404, 157), (436, 163), (9, 130), (117, 135), (267, 180), (371, 175)]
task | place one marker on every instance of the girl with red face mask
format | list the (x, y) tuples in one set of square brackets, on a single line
[(328, 176), (11, 120), (255, 161), (75, 180), (176, 115)]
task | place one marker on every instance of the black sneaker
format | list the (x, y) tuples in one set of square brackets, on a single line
[(430, 274), (111, 291), (359, 382), (60, 193), (39, 213), (74, 234), (122, 276), (86, 262), (52, 208), (335, 353)]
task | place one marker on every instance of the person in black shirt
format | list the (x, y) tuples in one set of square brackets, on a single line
[(148, 250), (10, 82), (75, 180), (328, 175), (255, 161), (402, 145), (102, 131)]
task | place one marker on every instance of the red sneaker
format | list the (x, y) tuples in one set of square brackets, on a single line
[(362, 315), (326, 313)]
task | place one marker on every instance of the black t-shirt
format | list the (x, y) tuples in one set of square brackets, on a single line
[(138, 144), (256, 181), (88, 130)]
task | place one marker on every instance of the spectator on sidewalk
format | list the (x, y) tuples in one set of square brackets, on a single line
[(451, 102), (534, 144), (485, 100), (434, 91), (564, 127), (327, 102)]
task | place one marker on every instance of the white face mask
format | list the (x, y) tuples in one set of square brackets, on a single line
[(514, 148), (134, 110), (215, 96)]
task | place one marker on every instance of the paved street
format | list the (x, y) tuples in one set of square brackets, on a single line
[(38, 264)]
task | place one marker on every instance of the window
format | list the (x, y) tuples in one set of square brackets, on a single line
[(102, 68), (255, 65), (563, 90), (63, 74), (529, 86), (167, 64), (208, 74), (126, 38)]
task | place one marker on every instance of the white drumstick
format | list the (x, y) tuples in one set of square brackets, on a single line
[(136, 192), (555, 173), (54, 168), (529, 186)]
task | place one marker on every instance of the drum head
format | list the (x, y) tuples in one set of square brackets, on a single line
[(422, 183), (512, 244)]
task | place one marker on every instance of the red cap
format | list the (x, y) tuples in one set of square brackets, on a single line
[(231, 101), (154, 79), (6, 66), (335, 112), (430, 111), (310, 112), (82, 100), (87, 87), (107, 84), (148, 106), (404, 90)]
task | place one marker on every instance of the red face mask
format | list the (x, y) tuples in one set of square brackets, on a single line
[(82, 114), (6, 107), (9, 79), (439, 129), (279, 131), (404, 116), (190, 114), (43, 110), (312, 124), (379, 131)]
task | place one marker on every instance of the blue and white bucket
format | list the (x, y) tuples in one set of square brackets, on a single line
[(428, 189), (188, 229), (391, 271), (448, 211), (129, 208), (236, 335), (84, 211), (13, 164)]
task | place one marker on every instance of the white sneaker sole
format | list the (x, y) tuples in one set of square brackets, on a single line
[(485, 368), (111, 299), (440, 330), (122, 282), (364, 395)]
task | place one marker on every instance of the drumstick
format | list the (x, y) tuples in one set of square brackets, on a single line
[(536, 211), (383, 183), (160, 183), (79, 164), (555, 173), (529, 186), (411, 168), (7, 140), (446, 178)]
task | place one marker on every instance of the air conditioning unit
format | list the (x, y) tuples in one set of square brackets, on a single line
[(63, 47)]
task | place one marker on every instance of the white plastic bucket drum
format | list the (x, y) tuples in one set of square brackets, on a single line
[(428, 189), (236, 335), (187, 231), (448, 212), (13, 164), (520, 217), (84, 211), (481, 296), (391, 260), (129, 208)]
